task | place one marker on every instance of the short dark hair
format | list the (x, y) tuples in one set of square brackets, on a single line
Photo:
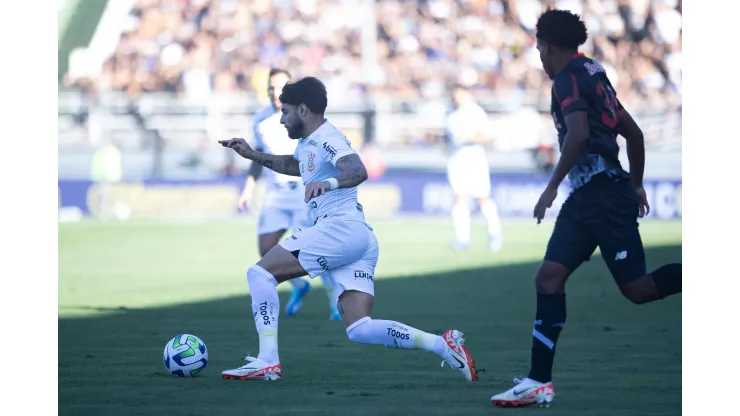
[(309, 91), (561, 28), (278, 71)]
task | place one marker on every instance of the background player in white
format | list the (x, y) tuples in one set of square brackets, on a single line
[(468, 171), (340, 244), (283, 207)]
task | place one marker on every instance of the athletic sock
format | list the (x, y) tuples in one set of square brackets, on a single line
[(298, 283), (461, 222), (548, 323), (668, 279), (266, 308), (490, 213), (394, 335)]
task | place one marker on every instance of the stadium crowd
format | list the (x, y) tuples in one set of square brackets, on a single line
[(196, 47)]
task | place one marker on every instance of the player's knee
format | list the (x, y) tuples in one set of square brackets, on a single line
[(256, 275), (551, 278), (359, 331)]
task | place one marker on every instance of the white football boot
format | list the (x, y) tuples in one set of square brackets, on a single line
[(255, 369), (526, 393), (457, 355)]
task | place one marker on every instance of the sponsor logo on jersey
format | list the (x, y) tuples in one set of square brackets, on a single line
[(360, 275), (330, 149), (323, 263)]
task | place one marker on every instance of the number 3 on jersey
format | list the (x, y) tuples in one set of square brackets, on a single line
[(608, 117)]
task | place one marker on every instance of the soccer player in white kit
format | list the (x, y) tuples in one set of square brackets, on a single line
[(468, 171), (340, 244), (283, 207)]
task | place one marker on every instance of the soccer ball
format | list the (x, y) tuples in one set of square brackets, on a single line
[(185, 355)]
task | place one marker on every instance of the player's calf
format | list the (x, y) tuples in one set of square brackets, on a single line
[(355, 307), (659, 284), (549, 319)]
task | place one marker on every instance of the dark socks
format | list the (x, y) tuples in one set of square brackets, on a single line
[(668, 279), (548, 323)]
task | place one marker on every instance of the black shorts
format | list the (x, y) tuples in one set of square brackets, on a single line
[(602, 213)]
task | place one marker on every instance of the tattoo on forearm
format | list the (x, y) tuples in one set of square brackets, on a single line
[(352, 171), (285, 164)]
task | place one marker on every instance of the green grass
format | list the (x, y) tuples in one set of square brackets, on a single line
[(126, 288)]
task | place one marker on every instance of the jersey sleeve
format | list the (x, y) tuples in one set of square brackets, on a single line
[(334, 147), (567, 93)]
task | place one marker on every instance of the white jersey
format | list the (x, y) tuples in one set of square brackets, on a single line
[(467, 169), (317, 155), (466, 123), (283, 191)]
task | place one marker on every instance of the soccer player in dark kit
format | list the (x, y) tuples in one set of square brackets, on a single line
[(604, 205)]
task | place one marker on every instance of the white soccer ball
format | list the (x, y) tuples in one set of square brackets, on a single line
[(185, 356)]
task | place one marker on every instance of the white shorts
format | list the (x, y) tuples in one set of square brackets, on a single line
[(469, 173), (274, 219), (342, 250)]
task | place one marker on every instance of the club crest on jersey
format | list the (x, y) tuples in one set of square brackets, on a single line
[(594, 68), (311, 164)]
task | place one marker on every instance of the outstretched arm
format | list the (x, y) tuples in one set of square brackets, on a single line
[(285, 164)]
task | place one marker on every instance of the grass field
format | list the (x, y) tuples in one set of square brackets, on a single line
[(126, 288)]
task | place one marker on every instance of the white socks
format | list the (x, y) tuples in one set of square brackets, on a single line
[(329, 289), (298, 283), (461, 222), (490, 213), (266, 308), (394, 335)]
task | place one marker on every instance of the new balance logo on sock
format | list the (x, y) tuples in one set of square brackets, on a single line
[(621, 255)]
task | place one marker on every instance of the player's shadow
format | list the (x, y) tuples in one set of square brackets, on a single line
[(114, 360)]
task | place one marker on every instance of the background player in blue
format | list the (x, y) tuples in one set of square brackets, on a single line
[(283, 207), (603, 207)]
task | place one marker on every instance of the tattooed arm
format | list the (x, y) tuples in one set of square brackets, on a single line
[(285, 164), (352, 171)]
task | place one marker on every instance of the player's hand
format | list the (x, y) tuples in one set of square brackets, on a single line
[(316, 189), (244, 201), (643, 203), (544, 203), (240, 146)]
